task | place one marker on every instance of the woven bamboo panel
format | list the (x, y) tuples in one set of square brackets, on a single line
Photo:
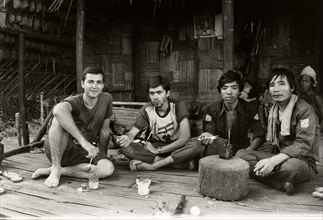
[(186, 71), (208, 80)]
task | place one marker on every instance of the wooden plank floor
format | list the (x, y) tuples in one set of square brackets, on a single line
[(117, 196)]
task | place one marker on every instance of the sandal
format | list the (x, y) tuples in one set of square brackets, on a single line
[(2, 190), (14, 177), (133, 165)]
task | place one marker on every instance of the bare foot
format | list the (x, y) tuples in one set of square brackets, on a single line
[(53, 179), (144, 166), (40, 172)]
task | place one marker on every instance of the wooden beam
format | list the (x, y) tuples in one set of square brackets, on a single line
[(35, 36), (23, 149), (21, 71), (129, 103), (228, 31), (80, 14)]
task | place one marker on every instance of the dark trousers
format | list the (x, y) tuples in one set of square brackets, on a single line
[(293, 170), (207, 150), (180, 155)]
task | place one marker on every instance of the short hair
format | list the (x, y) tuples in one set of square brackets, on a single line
[(92, 70), (156, 81), (229, 77), (282, 72)]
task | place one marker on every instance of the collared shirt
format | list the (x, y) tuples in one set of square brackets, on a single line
[(215, 122), (303, 141)]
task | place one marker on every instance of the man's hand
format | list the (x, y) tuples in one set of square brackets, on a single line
[(92, 152), (207, 138), (150, 147), (264, 167), (123, 140)]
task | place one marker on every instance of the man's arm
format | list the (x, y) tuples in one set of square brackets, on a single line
[(319, 102), (256, 143), (63, 114), (258, 133), (183, 135), (266, 166), (104, 137), (125, 140)]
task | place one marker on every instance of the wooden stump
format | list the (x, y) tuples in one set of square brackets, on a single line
[(223, 179)]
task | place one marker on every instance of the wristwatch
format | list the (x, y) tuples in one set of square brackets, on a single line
[(159, 150)]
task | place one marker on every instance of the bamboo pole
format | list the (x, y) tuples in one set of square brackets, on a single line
[(63, 92), (136, 55), (23, 149), (41, 83), (228, 31), (14, 87), (17, 117), (46, 85), (14, 83), (41, 107), (80, 14), (55, 87), (21, 71), (41, 132)]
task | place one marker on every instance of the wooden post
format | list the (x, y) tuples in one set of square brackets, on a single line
[(21, 73), (41, 107), (228, 31), (136, 56), (17, 117), (80, 14)]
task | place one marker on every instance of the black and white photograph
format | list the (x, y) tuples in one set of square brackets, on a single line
[(161, 109)]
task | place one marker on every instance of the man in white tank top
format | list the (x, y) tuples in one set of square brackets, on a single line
[(164, 128)]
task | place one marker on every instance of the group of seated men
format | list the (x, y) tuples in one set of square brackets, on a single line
[(285, 156)]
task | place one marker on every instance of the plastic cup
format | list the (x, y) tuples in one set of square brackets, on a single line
[(94, 181), (143, 183)]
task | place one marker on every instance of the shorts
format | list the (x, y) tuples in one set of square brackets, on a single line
[(74, 154)]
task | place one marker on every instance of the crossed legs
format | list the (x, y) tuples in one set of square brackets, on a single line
[(292, 171), (58, 140), (145, 160)]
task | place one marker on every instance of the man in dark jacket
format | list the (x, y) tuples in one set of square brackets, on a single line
[(231, 118), (289, 156)]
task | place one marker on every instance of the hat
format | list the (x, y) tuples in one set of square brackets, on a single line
[(309, 71)]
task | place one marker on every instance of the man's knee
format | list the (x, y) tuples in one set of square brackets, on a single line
[(194, 146), (57, 135), (292, 165), (244, 154), (106, 168), (128, 151)]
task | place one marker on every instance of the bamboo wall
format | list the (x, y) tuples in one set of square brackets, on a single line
[(49, 62), (193, 66), (49, 55), (126, 42)]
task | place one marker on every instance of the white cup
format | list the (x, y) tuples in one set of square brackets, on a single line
[(94, 181), (143, 183)]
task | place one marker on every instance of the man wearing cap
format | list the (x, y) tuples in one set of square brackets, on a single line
[(307, 82)]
